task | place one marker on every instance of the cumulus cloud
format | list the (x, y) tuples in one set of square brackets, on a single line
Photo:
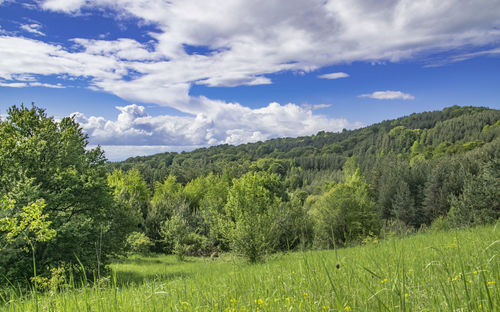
[(248, 40), (229, 123), (388, 95), (334, 75), (63, 5), (244, 42), (121, 152), (33, 28)]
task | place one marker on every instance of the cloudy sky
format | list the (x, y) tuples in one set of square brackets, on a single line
[(146, 76)]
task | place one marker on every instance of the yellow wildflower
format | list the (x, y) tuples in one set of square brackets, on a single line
[(347, 308)]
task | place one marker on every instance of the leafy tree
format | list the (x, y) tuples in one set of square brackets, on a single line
[(212, 204), (129, 187), (167, 198), (175, 232), (345, 214), (131, 200), (41, 158), (139, 243), (251, 212)]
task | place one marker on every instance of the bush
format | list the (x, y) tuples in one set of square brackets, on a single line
[(251, 214), (345, 214), (138, 242), (440, 224), (175, 232)]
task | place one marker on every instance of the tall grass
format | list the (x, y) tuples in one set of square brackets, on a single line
[(445, 271)]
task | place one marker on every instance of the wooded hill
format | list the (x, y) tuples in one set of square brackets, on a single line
[(429, 135), (435, 168), (64, 204)]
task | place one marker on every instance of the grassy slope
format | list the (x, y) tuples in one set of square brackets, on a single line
[(448, 271)]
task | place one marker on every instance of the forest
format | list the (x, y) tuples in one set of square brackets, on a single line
[(64, 207)]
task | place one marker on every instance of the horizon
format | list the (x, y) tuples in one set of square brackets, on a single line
[(147, 77)]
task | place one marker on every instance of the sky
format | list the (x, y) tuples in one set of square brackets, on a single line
[(149, 76)]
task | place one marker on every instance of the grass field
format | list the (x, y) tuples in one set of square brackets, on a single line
[(445, 271)]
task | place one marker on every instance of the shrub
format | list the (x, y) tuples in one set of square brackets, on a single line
[(251, 214), (138, 242)]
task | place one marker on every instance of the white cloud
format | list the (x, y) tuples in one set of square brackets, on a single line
[(465, 56), (63, 5), (25, 84), (315, 106), (33, 28), (334, 75), (46, 85), (121, 152), (226, 123), (247, 41), (13, 84), (388, 95)]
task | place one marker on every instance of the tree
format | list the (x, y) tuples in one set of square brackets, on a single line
[(130, 188), (166, 199), (251, 212), (403, 205), (29, 228), (131, 201), (479, 202), (41, 158), (346, 213)]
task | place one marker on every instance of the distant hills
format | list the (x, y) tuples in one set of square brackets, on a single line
[(429, 135)]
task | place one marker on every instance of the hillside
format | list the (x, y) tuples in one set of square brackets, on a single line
[(451, 131), (436, 168)]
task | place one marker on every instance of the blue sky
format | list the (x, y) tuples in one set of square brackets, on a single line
[(149, 76)]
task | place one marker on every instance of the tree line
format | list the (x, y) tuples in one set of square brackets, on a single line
[(65, 206)]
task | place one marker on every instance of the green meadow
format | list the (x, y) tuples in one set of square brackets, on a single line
[(439, 271)]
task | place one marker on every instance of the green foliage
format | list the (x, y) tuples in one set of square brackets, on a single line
[(345, 214), (251, 212), (130, 188), (479, 203), (138, 242), (175, 232), (165, 201), (44, 159), (216, 190), (252, 199), (440, 224), (131, 201), (30, 226), (56, 279)]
